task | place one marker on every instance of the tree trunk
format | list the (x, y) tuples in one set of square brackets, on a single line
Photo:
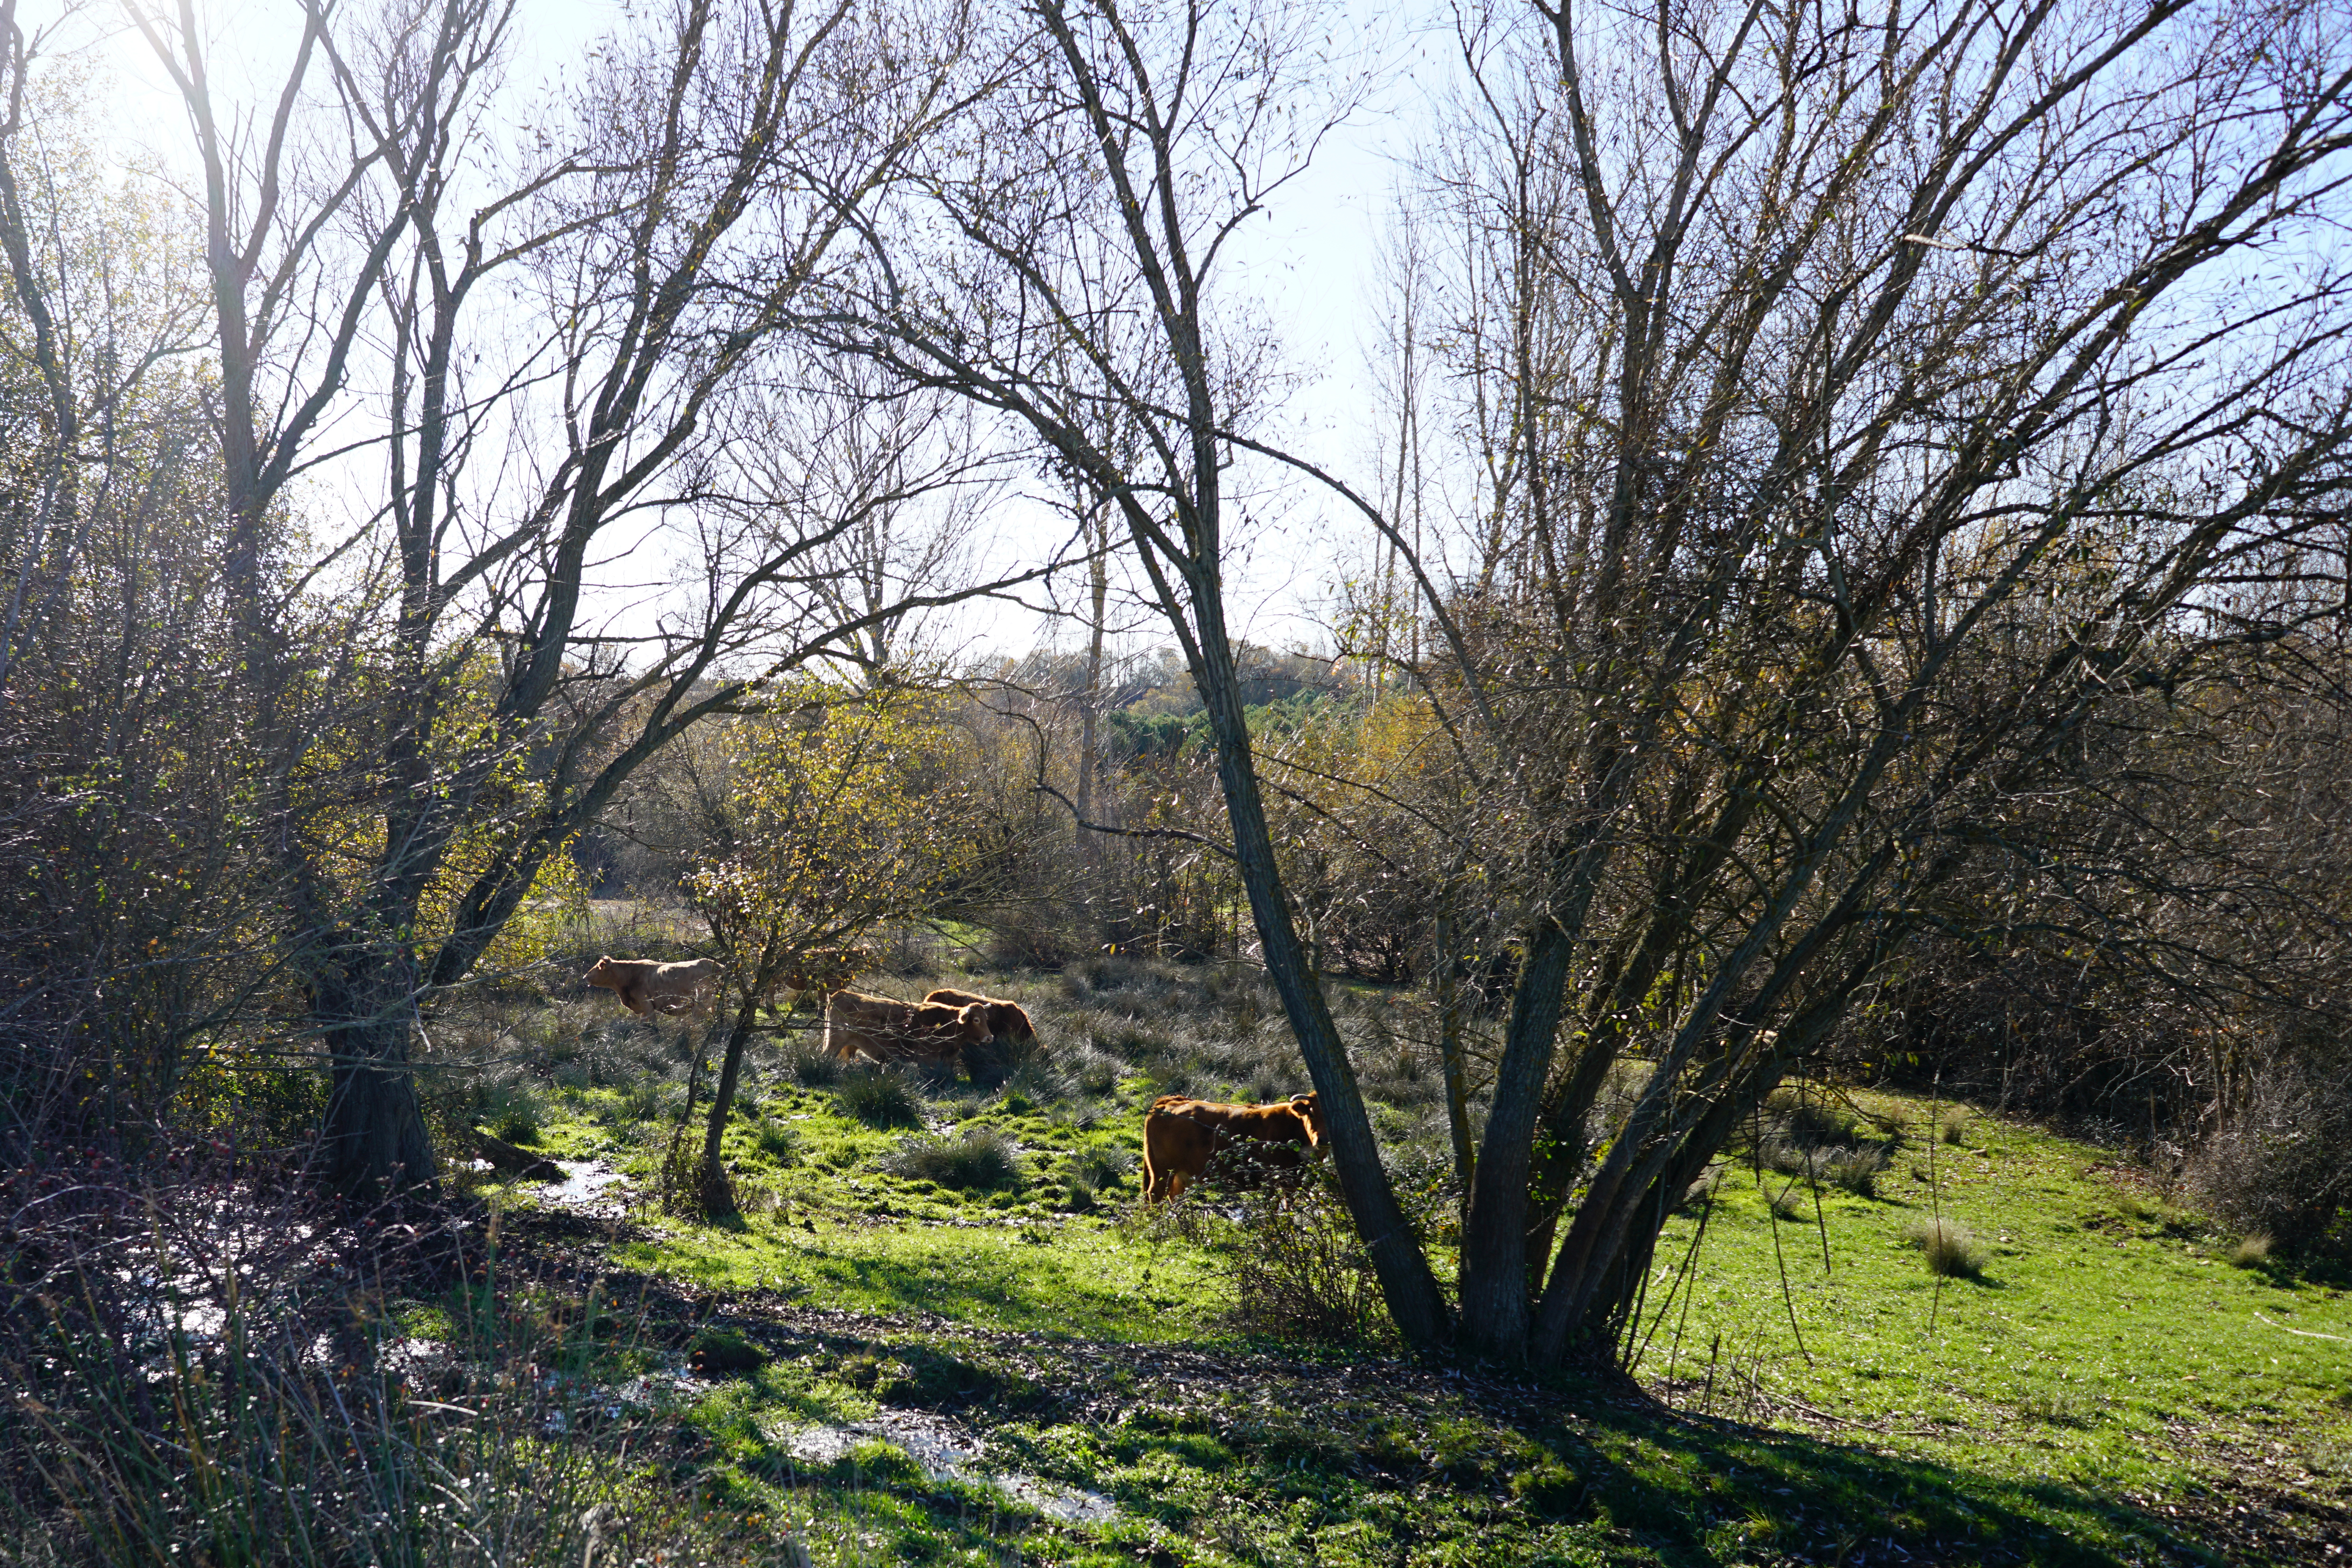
[(715, 1190), (375, 1141), (1494, 1243), (1449, 1048), (1089, 712), (1411, 1289)]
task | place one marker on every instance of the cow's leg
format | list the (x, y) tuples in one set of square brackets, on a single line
[(634, 999)]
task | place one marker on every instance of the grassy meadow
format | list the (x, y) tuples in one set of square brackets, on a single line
[(1882, 1330)]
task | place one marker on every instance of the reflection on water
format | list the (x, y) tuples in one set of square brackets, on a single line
[(947, 1453)]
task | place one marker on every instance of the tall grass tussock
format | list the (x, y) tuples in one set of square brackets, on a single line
[(879, 1099), (1948, 1246), (979, 1161)]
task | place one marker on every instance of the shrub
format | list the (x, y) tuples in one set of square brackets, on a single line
[(979, 1161), (879, 1099), (1950, 1249), (1301, 1274), (1952, 1124), (1791, 1204), (2278, 1165)]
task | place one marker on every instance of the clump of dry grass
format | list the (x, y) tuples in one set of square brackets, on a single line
[(1857, 1171), (1952, 1125), (1948, 1248), (2250, 1250)]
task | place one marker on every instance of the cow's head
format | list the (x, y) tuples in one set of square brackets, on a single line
[(1311, 1115), (600, 972), (971, 1024)]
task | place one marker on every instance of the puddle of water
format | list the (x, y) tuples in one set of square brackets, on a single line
[(670, 1387), (589, 1187), (413, 1361), (947, 1453)]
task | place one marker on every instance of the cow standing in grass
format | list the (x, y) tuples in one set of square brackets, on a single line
[(888, 1031), (647, 986), (1008, 1020), (1181, 1136)]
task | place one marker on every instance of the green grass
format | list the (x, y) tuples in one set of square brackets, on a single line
[(1078, 1278), (2101, 1344), (2103, 1389)]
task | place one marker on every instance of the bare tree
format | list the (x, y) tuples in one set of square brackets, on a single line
[(1083, 289), (1845, 464), (907, 470), (1864, 404), (541, 340)]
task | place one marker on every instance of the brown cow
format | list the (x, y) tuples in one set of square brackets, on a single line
[(888, 1030), (1006, 1018), (1181, 1136), (648, 985)]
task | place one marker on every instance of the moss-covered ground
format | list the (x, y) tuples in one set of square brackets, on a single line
[(2110, 1380)]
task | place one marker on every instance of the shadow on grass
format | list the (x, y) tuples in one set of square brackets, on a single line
[(1270, 1454), (1591, 1482), (1704, 1491)]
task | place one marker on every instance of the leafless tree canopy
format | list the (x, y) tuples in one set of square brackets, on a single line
[(1857, 415)]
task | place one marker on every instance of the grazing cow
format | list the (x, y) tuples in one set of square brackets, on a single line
[(888, 1030), (1181, 1136), (1006, 1018), (647, 986)]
